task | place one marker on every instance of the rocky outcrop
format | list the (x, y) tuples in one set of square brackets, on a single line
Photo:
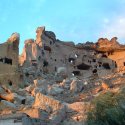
[(58, 79), (106, 45), (9, 54), (40, 31), (43, 102), (46, 55)]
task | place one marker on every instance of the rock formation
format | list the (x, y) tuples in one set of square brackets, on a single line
[(9, 54), (55, 81)]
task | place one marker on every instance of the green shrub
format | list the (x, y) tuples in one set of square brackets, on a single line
[(107, 109)]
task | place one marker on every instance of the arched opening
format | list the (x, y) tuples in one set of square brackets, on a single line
[(47, 48), (23, 101), (104, 56), (94, 60), (106, 66), (94, 71), (27, 74), (7, 61), (1, 59), (115, 65), (10, 83), (34, 62), (76, 73), (99, 65), (83, 66), (45, 63)]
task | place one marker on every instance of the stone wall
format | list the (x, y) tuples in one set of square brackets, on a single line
[(48, 54), (9, 54)]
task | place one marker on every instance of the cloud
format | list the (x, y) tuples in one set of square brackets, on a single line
[(114, 27)]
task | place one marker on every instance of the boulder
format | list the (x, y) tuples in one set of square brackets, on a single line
[(78, 107), (54, 90), (76, 86), (13, 97), (36, 113), (38, 90), (57, 117), (5, 105), (43, 101)]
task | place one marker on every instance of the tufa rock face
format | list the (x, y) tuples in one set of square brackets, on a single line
[(59, 78), (39, 33), (43, 101), (30, 52), (46, 54), (9, 54), (51, 35), (104, 44), (14, 37)]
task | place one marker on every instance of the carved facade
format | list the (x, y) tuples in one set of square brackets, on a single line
[(9, 53)]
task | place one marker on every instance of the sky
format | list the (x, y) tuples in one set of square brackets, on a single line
[(71, 20)]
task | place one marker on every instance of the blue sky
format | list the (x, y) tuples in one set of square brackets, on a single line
[(71, 20)]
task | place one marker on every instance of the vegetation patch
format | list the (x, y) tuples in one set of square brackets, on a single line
[(107, 109)]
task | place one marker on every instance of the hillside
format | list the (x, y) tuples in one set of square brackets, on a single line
[(56, 82)]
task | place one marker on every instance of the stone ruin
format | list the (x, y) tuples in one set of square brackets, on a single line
[(54, 81), (50, 55), (9, 64)]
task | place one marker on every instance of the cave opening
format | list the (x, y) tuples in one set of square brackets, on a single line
[(106, 65), (124, 63), (45, 63), (7, 61), (23, 101), (104, 56), (76, 73), (83, 66), (10, 83), (47, 48), (1, 59), (94, 60), (94, 71)]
